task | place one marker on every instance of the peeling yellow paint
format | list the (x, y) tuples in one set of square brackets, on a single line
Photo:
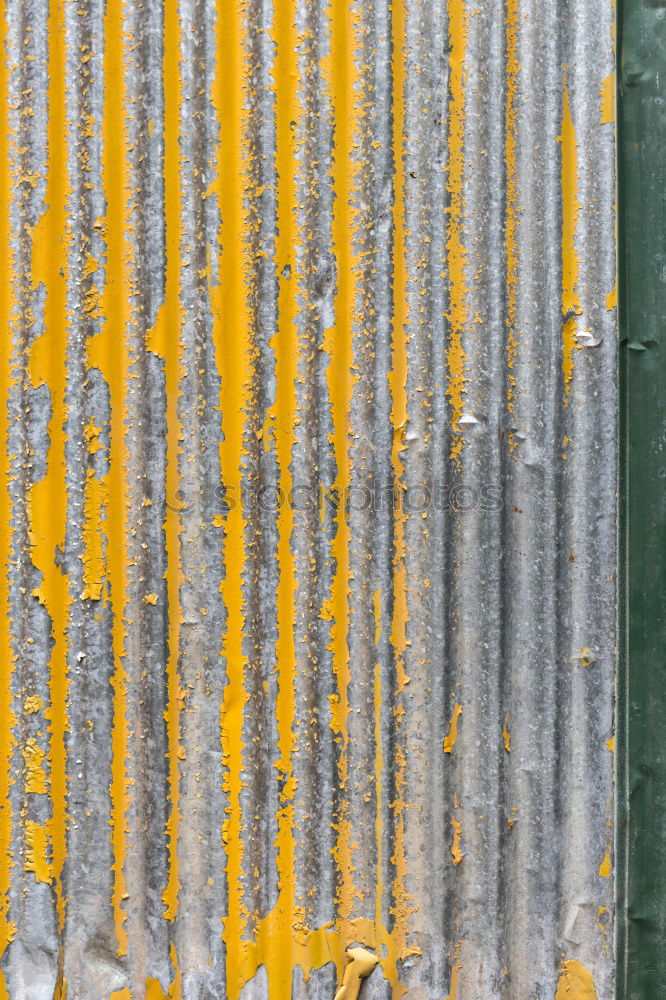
[(452, 736), (396, 944), (7, 363), (360, 964), (611, 744), (47, 498), (109, 351), (606, 868), (456, 969), (33, 759), (232, 349), (456, 853), (37, 851), (165, 341), (456, 253), (608, 100), (512, 213), (506, 735), (571, 306), (94, 562), (379, 795), (611, 298), (344, 90), (33, 704), (575, 983)]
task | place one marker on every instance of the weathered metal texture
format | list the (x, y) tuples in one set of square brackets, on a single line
[(267, 266)]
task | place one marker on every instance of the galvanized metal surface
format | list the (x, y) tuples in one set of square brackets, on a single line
[(309, 482)]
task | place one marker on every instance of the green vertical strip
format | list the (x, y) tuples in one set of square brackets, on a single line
[(642, 691)]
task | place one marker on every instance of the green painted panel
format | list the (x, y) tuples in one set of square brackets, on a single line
[(642, 703)]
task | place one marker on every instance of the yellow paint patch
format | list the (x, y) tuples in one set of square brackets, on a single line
[(150, 599), (94, 563), (606, 868), (456, 853), (611, 298), (154, 991), (575, 983), (452, 736), (456, 969), (611, 744), (608, 100), (37, 851), (33, 760)]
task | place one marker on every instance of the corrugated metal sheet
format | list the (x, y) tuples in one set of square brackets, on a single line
[(308, 473)]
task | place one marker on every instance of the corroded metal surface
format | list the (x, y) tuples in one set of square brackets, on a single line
[(308, 472)]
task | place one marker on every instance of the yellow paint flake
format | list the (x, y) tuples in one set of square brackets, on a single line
[(90, 266), (360, 964), (611, 744), (506, 735), (33, 760), (452, 736), (91, 433), (150, 599), (586, 657), (91, 303), (611, 298), (606, 868), (575, 983), (32, 704), (37, 851)]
